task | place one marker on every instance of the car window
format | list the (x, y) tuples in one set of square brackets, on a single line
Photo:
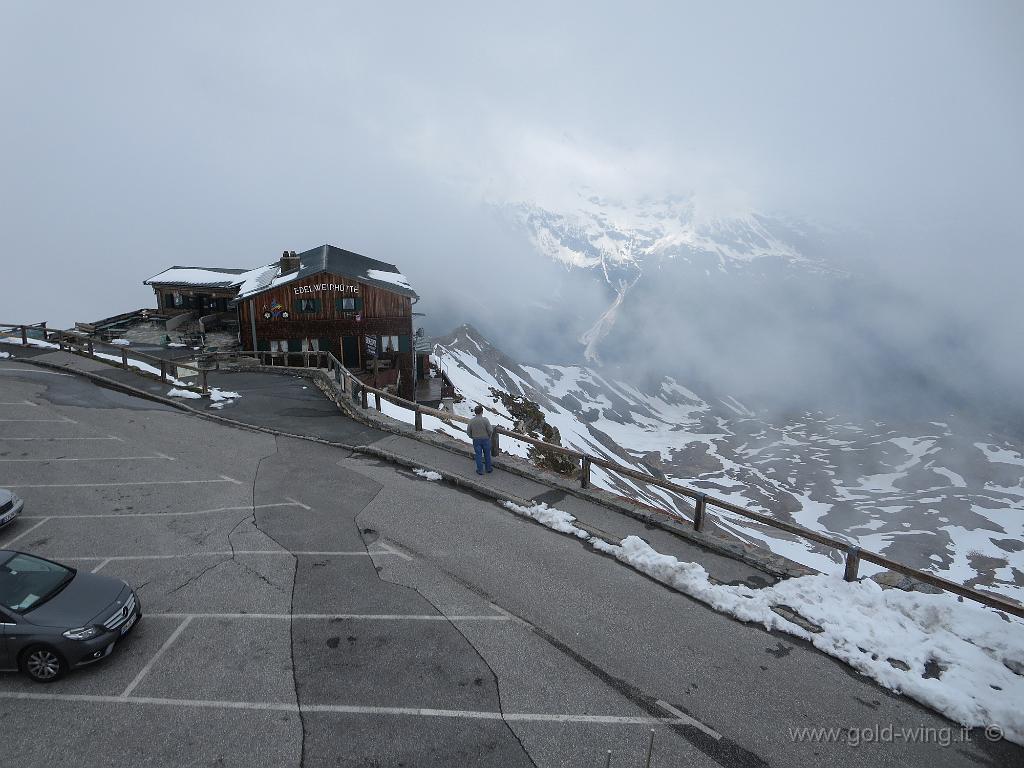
[(25, 581)]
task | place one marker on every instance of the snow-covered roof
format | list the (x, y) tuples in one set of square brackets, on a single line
[(204, 277), (337, 261)]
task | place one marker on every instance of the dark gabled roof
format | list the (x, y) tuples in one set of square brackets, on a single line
[(337, 261), (330, 258)]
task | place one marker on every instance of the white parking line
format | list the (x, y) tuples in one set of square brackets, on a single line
[(225, 553), (333, 616), (118, 485), (40, 421), (161, 456), (23, 402), (55, 439), (24, 533), (347, 709), (99, 567), (387, 549), (689, 720), (149, 665), (247, 507)]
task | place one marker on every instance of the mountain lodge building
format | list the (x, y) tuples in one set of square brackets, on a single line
[(324, 299)]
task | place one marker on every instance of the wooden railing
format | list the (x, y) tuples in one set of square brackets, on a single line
[(360, 393), (76, 341), (701, 501)]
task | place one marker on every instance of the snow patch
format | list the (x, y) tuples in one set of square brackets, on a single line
[(864, 626), (188, 394), (427, 474)]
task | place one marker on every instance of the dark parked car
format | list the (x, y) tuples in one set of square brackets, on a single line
[(10, 507), (54, 618)]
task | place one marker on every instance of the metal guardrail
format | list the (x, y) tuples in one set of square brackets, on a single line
[(360, 392)]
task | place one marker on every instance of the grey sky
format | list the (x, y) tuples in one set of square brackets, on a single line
[(138, 136)]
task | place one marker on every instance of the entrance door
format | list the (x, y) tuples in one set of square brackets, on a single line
[(350, 352)]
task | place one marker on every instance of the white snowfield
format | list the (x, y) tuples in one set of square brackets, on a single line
[(978, 655), (959, 501)]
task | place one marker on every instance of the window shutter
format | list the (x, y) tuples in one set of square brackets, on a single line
[(403, 344), (294, 345), (263, 345), (359, 304)]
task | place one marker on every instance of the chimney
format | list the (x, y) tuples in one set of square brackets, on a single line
[(289, 262)]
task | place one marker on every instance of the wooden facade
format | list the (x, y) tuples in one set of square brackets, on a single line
[(353, 320)]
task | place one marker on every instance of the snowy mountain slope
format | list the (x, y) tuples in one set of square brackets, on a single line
[(620, 243), (936, 496)]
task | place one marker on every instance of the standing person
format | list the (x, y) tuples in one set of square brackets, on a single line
[(479, 429)]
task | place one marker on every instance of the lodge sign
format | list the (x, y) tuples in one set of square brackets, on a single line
[(319, 287)]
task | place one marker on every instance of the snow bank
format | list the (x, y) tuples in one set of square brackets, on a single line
[(31, 342), (186, 393), (427, 474), (175, 344), (120, 342), (979, 655), (4, 355), (218, 395), (552, 518)]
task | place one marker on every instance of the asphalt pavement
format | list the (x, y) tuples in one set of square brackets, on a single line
[(310, 606)]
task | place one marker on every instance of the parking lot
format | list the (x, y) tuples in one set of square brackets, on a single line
[(308, 606), (277, 629)]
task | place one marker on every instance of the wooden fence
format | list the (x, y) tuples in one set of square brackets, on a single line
[(702, 502)]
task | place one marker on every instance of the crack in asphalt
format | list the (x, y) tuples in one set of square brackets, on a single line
[(450, 623), (291, 605)]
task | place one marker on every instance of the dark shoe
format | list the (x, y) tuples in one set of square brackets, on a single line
[(479, 472), (489, 471)]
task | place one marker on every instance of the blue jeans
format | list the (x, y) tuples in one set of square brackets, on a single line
[(482, 451)]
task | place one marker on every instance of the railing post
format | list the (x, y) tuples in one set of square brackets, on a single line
[(700, 504), (163, 371), (202, 379), (852, 563), (585, 472), (124, 358), (92, 351), (337, 378), (362, 396), (419, 420), (376, 395), (24, 336)]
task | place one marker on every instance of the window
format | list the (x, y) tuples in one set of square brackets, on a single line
[(308, 305), (347, 304), (27, 581), (278, 345), (311, 345), (169, 301), (389, 343)]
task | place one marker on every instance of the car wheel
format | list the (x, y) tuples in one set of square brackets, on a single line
[(43, 664)]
